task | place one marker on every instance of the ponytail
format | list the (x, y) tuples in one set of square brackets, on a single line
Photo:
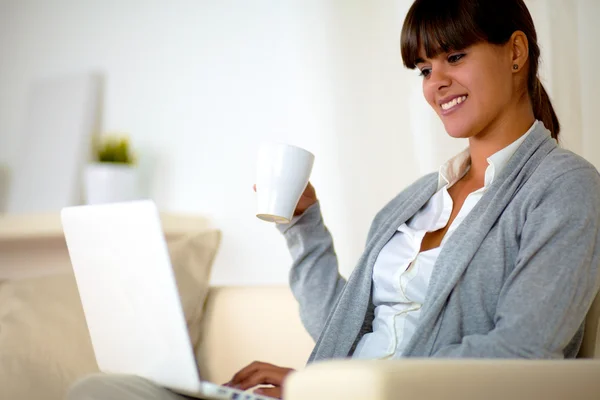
[(542, 107)]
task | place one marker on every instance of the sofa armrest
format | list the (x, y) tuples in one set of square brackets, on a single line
[(426, 379)]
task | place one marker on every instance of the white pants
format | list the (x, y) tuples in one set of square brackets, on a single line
[(119, 387)]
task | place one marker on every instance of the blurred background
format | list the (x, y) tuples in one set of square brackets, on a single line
[(198, 85)]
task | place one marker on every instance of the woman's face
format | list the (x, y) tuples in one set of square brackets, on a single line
[(468, 89)]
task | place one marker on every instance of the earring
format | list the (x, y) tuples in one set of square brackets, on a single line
[(515, 66)]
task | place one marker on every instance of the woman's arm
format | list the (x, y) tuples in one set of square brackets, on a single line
[(556, 277), (315, 279)]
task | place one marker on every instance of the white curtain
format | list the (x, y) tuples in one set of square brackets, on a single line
[(569, 38)]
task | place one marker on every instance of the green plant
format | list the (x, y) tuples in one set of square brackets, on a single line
[(114, 149)]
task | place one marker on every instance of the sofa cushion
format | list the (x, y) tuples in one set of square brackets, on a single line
[(251, 323), (44, 342)]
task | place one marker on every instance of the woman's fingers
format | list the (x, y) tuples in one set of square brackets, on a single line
[(247, 372), (244, 373), (271, 375), (259, 373), (308, 198), (275, 392)]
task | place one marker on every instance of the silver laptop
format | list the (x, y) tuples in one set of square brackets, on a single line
[(130, 298)]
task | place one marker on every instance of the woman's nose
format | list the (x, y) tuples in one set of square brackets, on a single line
[(439, 79)]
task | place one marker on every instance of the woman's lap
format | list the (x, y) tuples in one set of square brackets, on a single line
[(117, 387)]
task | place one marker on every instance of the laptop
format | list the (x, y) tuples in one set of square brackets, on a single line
[(130, 299)]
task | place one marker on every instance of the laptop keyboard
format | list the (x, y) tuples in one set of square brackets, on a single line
[(235, 394)]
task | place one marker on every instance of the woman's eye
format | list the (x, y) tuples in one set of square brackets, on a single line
[(455, 58), (425, 72)]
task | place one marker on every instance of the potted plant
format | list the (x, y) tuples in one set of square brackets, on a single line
[(113, 175)]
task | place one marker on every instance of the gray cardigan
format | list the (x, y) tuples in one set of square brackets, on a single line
[(516, 278)]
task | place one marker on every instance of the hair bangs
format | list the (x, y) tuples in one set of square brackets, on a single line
[(433, 27)]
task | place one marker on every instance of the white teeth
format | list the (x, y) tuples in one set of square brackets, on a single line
[(453, 102)]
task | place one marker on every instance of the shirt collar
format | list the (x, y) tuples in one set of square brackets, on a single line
[(455, 168)]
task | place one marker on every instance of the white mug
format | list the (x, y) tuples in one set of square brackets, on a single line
[(282, 174)]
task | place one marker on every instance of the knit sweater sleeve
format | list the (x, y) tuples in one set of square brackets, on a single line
[(314, 278)]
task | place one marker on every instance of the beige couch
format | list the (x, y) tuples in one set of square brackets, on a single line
[(44, 345)]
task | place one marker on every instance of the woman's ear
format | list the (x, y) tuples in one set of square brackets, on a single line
[(520, 50)]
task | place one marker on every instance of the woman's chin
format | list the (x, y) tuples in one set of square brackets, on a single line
[(457, 130)]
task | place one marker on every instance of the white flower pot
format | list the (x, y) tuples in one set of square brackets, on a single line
[(111, 183)]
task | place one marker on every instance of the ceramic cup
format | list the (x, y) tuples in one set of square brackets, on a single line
[(282, 174)]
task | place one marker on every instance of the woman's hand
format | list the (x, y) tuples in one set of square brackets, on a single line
[(308, 198), (259, 373)]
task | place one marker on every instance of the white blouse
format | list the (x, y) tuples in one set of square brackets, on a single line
[(401, 273)]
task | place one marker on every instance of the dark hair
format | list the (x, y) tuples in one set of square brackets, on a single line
[(443, 26)]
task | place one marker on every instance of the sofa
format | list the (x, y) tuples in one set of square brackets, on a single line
[(45, 347)]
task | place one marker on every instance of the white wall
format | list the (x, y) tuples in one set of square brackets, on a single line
[(198, 84)]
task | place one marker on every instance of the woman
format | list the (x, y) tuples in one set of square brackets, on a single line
[(497, 254), (469, 262)]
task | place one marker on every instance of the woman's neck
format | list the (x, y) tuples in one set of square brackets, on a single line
[(503, 131)]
